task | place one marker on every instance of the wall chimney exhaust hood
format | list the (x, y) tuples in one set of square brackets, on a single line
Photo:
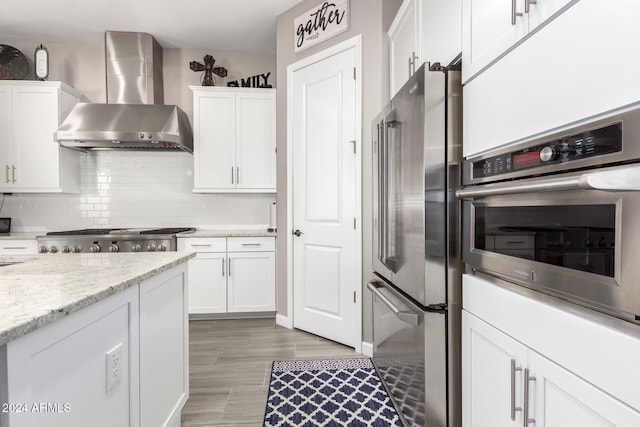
[(134, 116)]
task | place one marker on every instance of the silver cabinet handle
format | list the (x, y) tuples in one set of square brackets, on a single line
[(514, 408), (13, 172), (201, 245), (528, 3), (514, 13), (237, 174), (14, 248), (527, 378), (7, 174), (412, 63), (222, 259), (405, 316), (251, 244), (232, 176), (229, 269)]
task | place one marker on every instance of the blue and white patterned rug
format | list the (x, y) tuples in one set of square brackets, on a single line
[(328, 393)]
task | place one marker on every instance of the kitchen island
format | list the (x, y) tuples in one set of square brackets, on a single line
[(93, 339)]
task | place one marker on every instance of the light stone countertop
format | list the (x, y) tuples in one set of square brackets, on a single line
[(40, 289), (20, 236), (228, 233)]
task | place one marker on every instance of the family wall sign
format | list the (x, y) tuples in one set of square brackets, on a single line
[(327, 20)]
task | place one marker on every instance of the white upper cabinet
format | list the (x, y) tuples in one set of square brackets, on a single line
[(234, 140), (405, 44), (423, 31), (491, 27), (565, 74), (31, 161)]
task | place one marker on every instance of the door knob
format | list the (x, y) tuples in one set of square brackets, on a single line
[(298, 233)]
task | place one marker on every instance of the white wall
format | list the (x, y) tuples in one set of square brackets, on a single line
[(368, 18), (136, 189)]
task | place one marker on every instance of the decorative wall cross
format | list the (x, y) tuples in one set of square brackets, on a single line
[(209, 70)]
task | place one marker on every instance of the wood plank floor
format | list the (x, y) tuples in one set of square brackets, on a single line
[(230, 366)]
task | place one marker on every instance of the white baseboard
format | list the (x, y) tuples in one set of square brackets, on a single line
[(367, 349), (284, 321)]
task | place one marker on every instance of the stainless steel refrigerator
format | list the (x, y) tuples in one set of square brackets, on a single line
[(417, 298)]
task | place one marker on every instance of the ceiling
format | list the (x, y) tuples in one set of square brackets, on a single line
[(238, 25)]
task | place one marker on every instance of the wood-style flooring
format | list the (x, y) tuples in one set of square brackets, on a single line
[(230, 366)]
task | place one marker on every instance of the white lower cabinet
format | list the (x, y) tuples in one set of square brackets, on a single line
[(486, 369), (251, 285), (164, 348), (122, 361), (505, 381), (496, 391), (231, 274)]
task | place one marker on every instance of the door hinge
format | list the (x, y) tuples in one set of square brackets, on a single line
[(354, 73), (354, 223), (354, 297), (353, 142)]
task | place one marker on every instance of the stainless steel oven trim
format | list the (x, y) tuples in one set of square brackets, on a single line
[(629, 117), (605, 294), (617, 178)]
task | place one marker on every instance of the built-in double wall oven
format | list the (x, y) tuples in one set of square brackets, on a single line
[(561, 214)]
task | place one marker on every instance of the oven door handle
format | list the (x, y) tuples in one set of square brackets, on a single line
[(621, 178), (405, 316)]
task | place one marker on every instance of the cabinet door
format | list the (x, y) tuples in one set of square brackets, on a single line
[(404, 44), (214, 140), (256, 140), (488, 398), (6, 119), (441, 27), (563, 399), (488, 31), (500, 109), (251, 282), (164, 348), (207, 283), (34, 152)]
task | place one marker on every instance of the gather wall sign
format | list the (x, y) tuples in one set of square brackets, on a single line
[(326, 20)]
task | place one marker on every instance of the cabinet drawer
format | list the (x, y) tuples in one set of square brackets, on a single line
[(18, 247), (203, 244), (251, 244)]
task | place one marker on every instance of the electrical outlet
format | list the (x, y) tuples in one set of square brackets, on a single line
[(114, 368)]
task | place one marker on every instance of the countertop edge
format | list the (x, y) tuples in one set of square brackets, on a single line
[(40, 321)]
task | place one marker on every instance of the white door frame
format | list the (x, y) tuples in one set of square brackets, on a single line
[(354, 42)]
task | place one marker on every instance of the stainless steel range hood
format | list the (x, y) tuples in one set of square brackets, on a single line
[(134, 116)]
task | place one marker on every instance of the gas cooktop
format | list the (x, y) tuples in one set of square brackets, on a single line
[(120, 231), (111, 240)]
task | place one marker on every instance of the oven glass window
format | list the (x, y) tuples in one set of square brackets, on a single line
[(580, 237)]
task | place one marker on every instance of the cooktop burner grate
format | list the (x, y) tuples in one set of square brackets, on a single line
[(84, 232), (168, 230)]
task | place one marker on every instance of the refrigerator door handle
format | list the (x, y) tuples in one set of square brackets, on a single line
[(406, 316)]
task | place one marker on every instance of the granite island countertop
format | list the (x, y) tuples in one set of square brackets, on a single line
[(39, 289)]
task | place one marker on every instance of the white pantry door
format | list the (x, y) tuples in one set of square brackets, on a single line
[(324, 198)]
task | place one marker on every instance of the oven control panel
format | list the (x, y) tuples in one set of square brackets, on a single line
[(559, 151)]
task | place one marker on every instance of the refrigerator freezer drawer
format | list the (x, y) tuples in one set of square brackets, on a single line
[(409, 353)]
